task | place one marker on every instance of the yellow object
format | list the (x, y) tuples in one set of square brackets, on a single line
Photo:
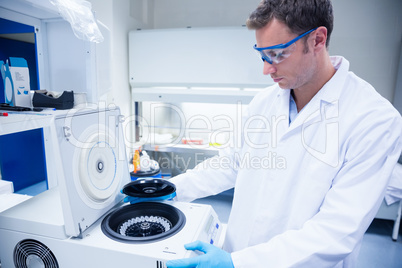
[(136, 161), (215, 144)]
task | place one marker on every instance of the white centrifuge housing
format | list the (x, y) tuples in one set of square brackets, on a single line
[(83, 222)]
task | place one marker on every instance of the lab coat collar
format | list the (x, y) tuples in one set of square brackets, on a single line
[(331, 91), (324, 101)]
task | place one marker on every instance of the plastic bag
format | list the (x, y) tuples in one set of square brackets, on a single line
[(79, 14)]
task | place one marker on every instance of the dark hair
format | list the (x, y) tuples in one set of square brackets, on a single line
[(299, 15)]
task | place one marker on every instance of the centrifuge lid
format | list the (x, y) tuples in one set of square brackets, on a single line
[(149, 188)]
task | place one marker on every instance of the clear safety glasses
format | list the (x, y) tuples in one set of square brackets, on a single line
[(277, 53)]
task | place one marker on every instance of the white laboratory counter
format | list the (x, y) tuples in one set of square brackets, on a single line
[(17, 121), (23, 121)]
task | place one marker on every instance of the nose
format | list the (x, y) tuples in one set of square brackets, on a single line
[(268, 68)]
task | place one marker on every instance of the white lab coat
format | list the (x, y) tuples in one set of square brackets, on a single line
[(308, 194)]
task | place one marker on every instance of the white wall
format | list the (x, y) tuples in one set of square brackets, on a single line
[(368, 33), (206, 13), (398, 88)]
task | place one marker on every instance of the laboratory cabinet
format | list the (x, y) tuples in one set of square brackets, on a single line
[(26, 153), (64, 62), (205, 56), (58, 60), (180, 69)]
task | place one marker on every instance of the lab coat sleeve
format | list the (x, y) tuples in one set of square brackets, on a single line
[(349, 206), (210, 177)]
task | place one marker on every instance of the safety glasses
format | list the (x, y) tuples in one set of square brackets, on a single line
[(278, 53)]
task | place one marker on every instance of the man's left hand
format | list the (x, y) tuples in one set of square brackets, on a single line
[(213, 257)]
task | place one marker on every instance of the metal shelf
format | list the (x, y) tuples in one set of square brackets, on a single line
[(192, 95)]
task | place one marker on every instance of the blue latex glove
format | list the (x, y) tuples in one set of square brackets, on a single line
[(133, 200), (213, 257)]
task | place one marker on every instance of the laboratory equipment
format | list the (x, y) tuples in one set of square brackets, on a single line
[(62, 227)]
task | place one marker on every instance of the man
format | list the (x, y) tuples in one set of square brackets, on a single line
[(338, 140)]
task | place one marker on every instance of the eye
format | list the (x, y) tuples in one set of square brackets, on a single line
[(272, 54), (281, 55)]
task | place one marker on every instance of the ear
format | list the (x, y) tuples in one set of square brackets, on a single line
[(320, 38)]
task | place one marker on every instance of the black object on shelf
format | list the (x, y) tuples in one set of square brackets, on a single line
[(43, 98), (7, 107)]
